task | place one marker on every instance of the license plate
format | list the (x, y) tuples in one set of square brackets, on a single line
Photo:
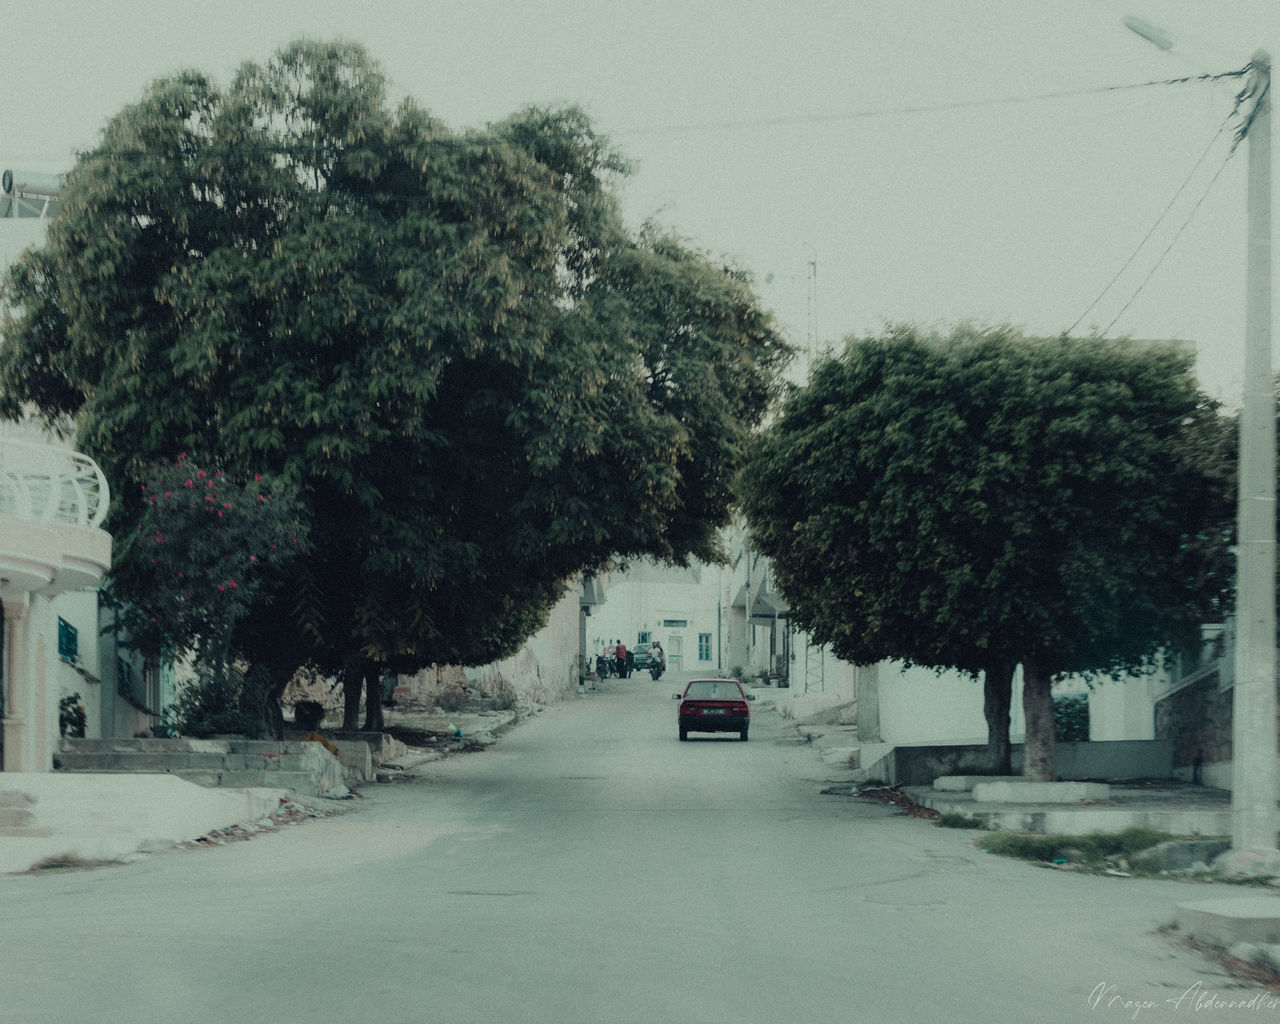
[(713, 711)]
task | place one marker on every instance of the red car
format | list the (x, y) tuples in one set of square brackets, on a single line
[(714, 705)]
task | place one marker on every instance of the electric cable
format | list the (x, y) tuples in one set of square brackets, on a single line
[(1158, 221), (1151, 273)]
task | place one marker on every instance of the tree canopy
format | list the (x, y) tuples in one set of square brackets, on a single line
[(478, 381), (982, 499)]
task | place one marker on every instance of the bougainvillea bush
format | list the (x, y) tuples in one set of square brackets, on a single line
[(207, 550)]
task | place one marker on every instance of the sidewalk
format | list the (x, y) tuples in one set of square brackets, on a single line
[(1243, 921), (90, 819), (87, 818)]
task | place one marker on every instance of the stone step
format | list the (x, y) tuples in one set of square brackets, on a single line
[(303, 783), (145, 760), (186, 745), (304, 767)]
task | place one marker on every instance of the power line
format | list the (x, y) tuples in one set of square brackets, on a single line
[(924, 108), (1159, 220), (1172, 243), (1240, 133)]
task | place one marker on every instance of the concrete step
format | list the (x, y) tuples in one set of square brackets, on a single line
[(1254, 919), (145, 760), (301, 783), (302, 767), (1205, 816)]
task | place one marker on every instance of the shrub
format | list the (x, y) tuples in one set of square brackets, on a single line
[(218, 704), (1071, 719), (1093, 849)]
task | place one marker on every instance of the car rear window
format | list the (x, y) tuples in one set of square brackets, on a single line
[(713, 690)]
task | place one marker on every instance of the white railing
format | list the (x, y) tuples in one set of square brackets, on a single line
[(47, 484)]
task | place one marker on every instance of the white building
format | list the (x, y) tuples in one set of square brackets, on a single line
[(53, 552)]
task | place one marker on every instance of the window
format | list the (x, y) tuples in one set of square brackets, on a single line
[(675, 623), (704, 646), (68, 641), (724, 689)]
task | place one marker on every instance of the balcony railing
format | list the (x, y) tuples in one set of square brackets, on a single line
[(43, 483)]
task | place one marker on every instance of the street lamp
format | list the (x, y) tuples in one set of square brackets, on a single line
[(1255, 782)]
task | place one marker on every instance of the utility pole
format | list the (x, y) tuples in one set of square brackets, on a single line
[(1255, 784), (1255, 761)]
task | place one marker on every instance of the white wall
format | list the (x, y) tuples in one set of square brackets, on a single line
[(545, 669), (646, 598), (919, 706), (80, 610), (1123, 709)]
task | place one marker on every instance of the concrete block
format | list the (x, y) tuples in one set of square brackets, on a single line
[(303, 783), (1184, 855), (1223, 923), (1040, 792), (963, 783)]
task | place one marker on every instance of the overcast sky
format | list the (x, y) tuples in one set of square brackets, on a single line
[(869, 161)]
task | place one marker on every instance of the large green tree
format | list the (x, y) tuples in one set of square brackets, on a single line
[(478, 380), (982, 500)]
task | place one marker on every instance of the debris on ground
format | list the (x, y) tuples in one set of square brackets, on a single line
[(888, 795), (290, 812), (1243, 962)]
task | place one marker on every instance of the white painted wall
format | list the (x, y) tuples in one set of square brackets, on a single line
[(917, 705), (1123, 709), (650, 598), (545, 669)]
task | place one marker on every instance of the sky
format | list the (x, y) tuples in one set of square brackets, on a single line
[(870, 163)]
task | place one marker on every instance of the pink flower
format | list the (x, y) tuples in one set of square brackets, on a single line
[(187, 484)]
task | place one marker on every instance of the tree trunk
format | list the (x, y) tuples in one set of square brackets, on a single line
[(997, 690), (273, 712), (352, 684), (372, 697), (1037, 706)]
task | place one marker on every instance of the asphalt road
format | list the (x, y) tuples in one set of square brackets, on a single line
[(592, 868)]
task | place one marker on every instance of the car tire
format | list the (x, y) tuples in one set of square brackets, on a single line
[(743, 734), (684, 735)]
